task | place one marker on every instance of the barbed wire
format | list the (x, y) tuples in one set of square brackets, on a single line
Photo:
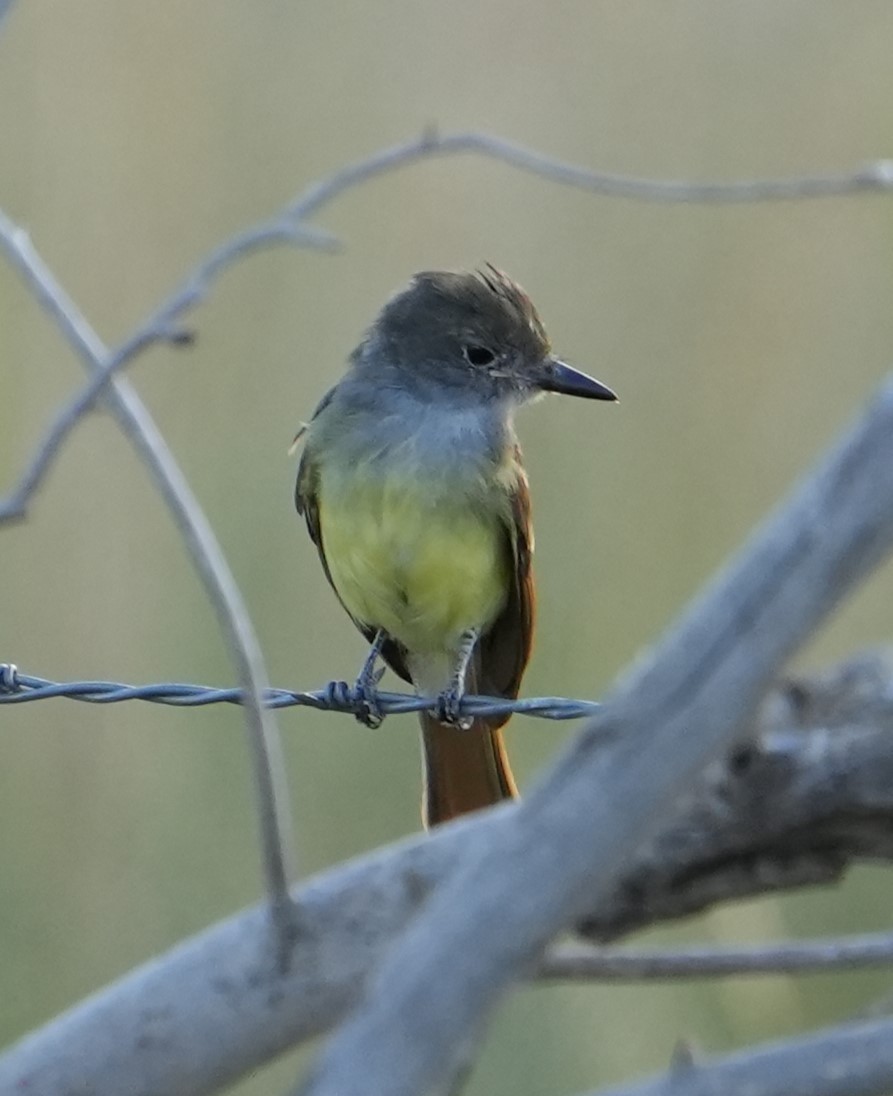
[(336, 696)]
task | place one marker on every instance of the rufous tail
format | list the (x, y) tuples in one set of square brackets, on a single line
[(464, 770)]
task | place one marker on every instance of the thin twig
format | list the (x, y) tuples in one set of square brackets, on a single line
[(577, 962), (875, 176), (203, 548)]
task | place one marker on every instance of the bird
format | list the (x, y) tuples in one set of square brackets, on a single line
[(412, 487)]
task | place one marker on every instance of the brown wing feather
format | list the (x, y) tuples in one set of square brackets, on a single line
[(307, 504), (505, 648)]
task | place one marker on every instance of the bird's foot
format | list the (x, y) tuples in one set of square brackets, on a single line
[(368, 710), (448, 708), (450, 700)]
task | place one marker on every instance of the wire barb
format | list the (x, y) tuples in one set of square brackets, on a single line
[(9, 678), (336, 696)]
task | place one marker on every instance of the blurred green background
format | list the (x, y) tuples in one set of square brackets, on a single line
[(135, 138)]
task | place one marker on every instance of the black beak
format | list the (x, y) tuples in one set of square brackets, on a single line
[(560, 377)]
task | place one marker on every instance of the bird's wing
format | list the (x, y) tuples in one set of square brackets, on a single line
[(307, 505), (505, 647)]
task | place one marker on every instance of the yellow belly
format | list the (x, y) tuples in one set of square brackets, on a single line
[(423, 572)]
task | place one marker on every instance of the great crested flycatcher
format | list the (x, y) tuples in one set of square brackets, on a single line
[(413, 490)]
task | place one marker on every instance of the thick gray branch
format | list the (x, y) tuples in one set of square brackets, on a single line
[(792, 808), (564, 851)]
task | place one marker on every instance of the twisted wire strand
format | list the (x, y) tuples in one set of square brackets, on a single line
[(336, 696)]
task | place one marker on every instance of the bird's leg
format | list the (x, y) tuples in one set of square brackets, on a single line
[(369, 713), (449, 700)]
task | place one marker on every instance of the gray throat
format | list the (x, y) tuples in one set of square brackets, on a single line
[(444, 433)]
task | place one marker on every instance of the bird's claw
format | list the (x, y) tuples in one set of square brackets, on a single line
[(449, 709), (368, 710)]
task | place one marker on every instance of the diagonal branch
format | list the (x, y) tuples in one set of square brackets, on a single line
[(577, 832)]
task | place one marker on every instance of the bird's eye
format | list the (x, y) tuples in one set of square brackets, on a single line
[(478, 355)]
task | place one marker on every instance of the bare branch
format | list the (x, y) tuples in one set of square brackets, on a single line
[(201, 544), (580, 827), (791, 809), (575, 962), (850, 1060), (219, 1002), (875, 176)]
